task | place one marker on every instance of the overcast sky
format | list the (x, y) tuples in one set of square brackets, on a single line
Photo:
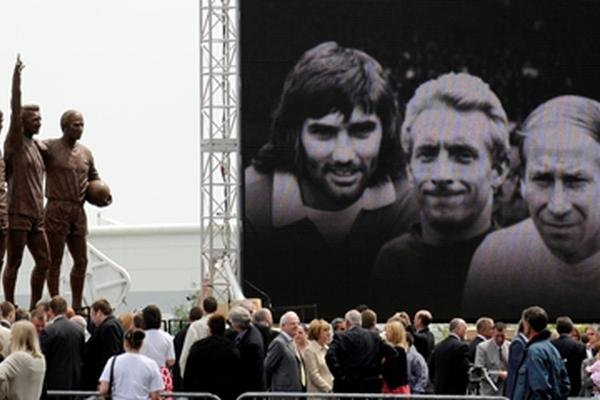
[(131, 67)]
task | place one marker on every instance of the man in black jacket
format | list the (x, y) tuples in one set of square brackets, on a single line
[(194, 315), (106, 341), (355, 358), (214, 364), (424, 340), (449, 363), (263, 321), (571, 351), (62, 344), (250, 344)]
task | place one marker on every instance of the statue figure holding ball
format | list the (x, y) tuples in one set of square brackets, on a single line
[(71, 179)]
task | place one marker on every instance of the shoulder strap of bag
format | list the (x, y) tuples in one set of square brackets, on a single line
[(112, 374)]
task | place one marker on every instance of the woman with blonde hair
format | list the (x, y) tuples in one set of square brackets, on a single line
[(318, 376), (395, 371), (22, 372)]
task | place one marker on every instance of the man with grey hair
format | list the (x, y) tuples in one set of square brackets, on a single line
[(355, 357), (284, 367), (249, 341), (455, 135), (552, 258), (449, 363), (485, 329)]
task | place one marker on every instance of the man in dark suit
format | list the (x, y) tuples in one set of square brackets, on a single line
[(214, 364), (106, 341), (449, 363), (283, 365), (423, 338), (263, 321), (355, 357), (571, 351), (516, 352), (250, 344), (62, 344), (485, 330)]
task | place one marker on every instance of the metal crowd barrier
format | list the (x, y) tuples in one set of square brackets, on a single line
[(287, 395), (87, 395)]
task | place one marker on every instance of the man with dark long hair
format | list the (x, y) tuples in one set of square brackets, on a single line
[(327, 190)]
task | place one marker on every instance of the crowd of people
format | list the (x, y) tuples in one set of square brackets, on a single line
[(131, 356)]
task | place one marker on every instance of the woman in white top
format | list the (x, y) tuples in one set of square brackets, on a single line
[(131, 375), (22, 372), (319, 378)]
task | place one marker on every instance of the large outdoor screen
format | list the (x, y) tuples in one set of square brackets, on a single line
[(408, 155)]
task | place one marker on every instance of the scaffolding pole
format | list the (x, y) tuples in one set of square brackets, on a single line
[(219, 150)]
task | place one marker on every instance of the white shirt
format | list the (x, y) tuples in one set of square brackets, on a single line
[(135, 376), (158, 345)]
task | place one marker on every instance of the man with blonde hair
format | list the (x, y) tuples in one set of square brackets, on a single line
[(455, 135)]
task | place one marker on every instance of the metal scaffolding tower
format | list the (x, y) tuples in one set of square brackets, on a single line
[(219, 159)]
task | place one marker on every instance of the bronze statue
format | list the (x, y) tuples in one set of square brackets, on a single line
[(25, 174), (3, 203), (69, 171)]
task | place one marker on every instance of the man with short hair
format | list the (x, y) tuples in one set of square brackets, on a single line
[(62, 343), (263, 321), (250, 343), (492, 354), (7, 314), (69, 170), (456, 137), (485, 330), (25, 175), (516, 352), (338, 324), (284, 367), (38, 318), (197, 330), (355, 357), (423, 337), (214, 364), (449, 362), (554, 256), (571, 351), (369, 320), (593, 335), (105, 342), (542, 374), (327, 190)]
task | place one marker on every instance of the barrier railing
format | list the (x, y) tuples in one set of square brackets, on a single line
[(88, 395), (287, 395)]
